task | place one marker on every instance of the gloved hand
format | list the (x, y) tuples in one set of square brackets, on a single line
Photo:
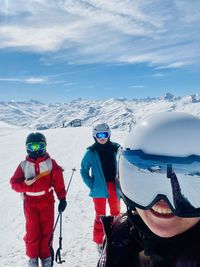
[(62, 205)]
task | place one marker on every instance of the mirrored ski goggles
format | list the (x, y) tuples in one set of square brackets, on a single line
[(35, 146), (145, 179), (102, 135)]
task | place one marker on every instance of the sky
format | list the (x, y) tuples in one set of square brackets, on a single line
[(60, 50)]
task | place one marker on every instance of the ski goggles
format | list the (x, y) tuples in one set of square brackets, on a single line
[(102, 135), (35, 146), (145, 179)]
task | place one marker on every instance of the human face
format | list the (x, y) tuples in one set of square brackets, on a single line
[(162, 222), (102, 137), (102, 141)]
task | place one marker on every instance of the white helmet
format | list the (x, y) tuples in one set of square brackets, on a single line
[(169, 133), (161, 160), (101, 127)]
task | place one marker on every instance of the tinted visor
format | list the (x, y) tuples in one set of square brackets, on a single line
[(102, 135), (145, 179), (35, 146)]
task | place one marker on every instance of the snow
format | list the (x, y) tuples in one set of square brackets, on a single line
[(67, 146), (118, 112)]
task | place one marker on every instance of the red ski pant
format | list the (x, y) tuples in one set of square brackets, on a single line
[(39, 214), (100, 209)]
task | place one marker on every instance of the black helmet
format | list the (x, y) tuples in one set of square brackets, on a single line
[(36, 138)]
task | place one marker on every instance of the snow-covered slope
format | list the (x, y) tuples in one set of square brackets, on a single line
[(119, 113), (67, 146)]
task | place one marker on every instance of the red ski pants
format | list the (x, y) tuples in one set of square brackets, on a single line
[(100, 209), (39, 214)]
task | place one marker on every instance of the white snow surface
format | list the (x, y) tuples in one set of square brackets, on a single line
[(67, 146), (120, 113)]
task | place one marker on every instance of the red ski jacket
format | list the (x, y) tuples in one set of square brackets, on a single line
[(48, 172)]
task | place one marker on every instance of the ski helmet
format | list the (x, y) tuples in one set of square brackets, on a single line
[(161, 160), (101, 127), (31, 141)]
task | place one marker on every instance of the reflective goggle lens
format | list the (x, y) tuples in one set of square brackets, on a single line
[(163, 164), (35, 146), (145, 179), (102, 135)]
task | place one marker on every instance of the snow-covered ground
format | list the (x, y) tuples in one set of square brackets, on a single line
[(120, 113), (67, 146)]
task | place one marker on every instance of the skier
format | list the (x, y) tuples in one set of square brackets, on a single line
[(36, 177), (100, 159), (162, 225)]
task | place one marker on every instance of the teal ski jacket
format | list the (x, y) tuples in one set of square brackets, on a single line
[(92, 173)]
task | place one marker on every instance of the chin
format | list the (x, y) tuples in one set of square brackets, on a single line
[(164, 233), (173, 227)]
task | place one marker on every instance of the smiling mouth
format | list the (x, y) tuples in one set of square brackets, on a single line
[(161, 210)]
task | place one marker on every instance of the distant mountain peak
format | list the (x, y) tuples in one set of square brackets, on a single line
[(117, 112), (35, 101)]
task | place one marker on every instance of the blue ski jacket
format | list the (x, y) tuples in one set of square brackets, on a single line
[(92, 173)]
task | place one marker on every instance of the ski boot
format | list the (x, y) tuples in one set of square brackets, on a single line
[(46, 262), (33, 262)]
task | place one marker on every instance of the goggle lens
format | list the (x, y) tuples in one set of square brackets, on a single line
[(35, 146), (102, 135), (148, 178)]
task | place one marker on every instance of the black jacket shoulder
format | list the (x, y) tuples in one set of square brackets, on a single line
[(119, 246), (132, 244)]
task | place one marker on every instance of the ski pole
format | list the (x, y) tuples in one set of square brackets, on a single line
[(58, 252), (51, 239), (70, 180), (60, 239)]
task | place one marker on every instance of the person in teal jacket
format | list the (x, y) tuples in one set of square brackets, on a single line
[(98, 170)]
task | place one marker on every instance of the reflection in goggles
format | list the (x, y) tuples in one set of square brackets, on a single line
[(102, 135), (148, 178), (163, 164), (35, 146)]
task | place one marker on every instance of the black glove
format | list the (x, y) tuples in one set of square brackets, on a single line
[(62, 205)]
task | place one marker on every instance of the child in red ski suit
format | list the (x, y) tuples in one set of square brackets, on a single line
[(37, 177)]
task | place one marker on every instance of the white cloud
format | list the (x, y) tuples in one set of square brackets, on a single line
[(137, 86), (160, 33), (51, 79), (158, 75), (34, 80), (31, 80)]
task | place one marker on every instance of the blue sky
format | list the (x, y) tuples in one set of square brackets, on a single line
[(59, 50)]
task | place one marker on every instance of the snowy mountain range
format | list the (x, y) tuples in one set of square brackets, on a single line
[(67, 146), (118, 112)]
